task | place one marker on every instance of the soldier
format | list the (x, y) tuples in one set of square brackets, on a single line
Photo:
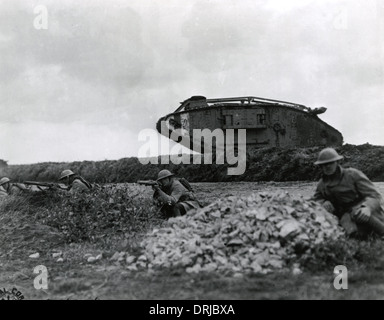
[(74, 182), (3, 192), (9, 188), (350, 195), (175, 198)]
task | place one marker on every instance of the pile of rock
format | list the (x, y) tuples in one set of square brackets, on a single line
[(255, 233)]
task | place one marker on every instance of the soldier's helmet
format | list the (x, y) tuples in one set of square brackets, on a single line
[(66, 173), (328, 155), (164, 174), (4, 180)]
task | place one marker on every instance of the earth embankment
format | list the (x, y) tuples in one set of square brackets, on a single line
[(263, 164)]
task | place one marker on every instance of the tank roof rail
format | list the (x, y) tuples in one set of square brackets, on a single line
[(251, 99), (246, 99)]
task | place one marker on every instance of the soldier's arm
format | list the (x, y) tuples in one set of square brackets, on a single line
[(164, 198), (21, 186), (177, 191), (319, 197), (319, 194), (366, 188)]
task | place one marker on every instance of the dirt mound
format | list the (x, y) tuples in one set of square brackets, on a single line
[(256, 233), (19, 232)]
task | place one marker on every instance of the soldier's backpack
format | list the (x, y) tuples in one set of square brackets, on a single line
[(186, 184), (191, 196), (89, 185)]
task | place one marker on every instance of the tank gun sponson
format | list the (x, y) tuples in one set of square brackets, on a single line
[(267, 122)]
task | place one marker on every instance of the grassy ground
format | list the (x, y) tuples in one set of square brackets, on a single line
[(74, 278)]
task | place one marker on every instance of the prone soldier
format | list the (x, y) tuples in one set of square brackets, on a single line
[(74, 182), (10, 188)]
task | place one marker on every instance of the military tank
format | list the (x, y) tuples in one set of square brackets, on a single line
[(268, 123)]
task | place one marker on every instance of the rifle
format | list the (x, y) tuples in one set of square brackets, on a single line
[(49, 185), (155, 195), (148, 182)]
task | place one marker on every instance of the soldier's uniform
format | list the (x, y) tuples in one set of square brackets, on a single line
[(8, 188), (78, 186), (177, 196), (16, 188), (349, 190), (75, 182), (175, 199), (3, 192)]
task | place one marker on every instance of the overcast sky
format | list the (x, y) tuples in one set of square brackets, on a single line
[(83, 88)]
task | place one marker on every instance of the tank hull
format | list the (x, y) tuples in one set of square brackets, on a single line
[(266, 123)]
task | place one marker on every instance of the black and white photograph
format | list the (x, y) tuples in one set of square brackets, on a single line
[(191, 154)]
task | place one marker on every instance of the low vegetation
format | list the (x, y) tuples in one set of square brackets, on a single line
[(109, 224), (118, 217), (92, 217)]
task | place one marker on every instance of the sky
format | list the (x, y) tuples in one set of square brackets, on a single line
[(79, 80)]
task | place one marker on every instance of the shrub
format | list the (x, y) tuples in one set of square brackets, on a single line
[(110, 210)]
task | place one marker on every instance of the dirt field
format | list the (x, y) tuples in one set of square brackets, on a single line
[(105, 279)]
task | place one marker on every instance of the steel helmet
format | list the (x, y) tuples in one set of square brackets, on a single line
[(164, 174), (66, 173), (4, 180), (328, 155)]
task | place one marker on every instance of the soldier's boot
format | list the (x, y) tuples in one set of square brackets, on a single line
[(178, 210), (376, 225)]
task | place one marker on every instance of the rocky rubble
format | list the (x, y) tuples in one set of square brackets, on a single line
[(256, 233)]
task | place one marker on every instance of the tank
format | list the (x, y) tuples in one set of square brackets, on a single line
[(268, 123)]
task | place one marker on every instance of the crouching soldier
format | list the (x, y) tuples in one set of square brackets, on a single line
[(350, 195), (174, 196), (10, 188), (74, 182)]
